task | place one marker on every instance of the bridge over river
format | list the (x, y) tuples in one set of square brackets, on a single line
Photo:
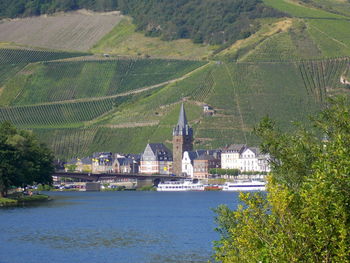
[(90, 177)]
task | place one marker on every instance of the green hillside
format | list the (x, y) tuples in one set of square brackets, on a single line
[(69, 80), (78, 105), (309, 33), (240, 93)]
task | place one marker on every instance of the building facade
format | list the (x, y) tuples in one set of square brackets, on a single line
[(231, 155), (125, 165), (188, 160), (206, 161), (182, 141), (102, 162), (156, 159), (245, 159), (83, 165)]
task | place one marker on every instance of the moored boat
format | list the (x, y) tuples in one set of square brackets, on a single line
[(180, 186), (245, 186), (213, 188)]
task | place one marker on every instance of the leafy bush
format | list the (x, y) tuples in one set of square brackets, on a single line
[(305, 215), (220, 171)]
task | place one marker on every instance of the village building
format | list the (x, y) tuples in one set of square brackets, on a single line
[(253, 160), (187, 161), (230, 156), (127, 164), (244, 158), (156, 159), (206, 161), (83, 165), (182, 140), (102, 162)]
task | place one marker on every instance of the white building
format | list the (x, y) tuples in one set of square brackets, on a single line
[(230, 157), (244, 158), (187, 161)]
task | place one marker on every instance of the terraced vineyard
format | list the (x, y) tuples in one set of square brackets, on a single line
[(68, 142), (71, 80), (320, 77), (20, 56), (59, 113), (240, 93), (13, 61)]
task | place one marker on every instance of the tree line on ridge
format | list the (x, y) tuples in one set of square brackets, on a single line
[(217, 22)]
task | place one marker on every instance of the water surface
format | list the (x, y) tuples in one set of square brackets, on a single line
[(123, 227)]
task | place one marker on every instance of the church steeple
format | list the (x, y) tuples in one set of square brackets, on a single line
[(182, 127), (182, 140)]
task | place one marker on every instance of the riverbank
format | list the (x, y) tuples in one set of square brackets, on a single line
[(19, 199)]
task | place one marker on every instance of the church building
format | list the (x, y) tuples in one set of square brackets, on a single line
[(182, 141)]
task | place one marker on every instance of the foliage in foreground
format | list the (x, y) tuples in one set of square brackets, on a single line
[(305, 215), (23, 160)]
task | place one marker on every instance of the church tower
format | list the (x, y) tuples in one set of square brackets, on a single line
[(182, 140)]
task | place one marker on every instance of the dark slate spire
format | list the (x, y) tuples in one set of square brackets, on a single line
[(182, 127), (182, 117)]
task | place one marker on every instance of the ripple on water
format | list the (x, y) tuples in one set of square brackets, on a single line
[(87, 239), (180, 257)]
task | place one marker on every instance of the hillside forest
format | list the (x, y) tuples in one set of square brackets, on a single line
[(203, 21)]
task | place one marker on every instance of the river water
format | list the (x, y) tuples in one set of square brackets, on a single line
[(123, 227)]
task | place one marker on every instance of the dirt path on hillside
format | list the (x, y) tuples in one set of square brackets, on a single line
[(332, 38), (133, 124), (237, 103)]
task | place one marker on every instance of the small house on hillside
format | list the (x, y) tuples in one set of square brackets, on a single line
[(208, 110)]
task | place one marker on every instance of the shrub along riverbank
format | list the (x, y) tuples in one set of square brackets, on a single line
[(20, 199)]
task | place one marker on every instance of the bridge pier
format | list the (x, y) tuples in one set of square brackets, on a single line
[(144, 182)]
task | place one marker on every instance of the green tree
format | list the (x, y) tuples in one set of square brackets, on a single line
[(23, 160), (305, 216)]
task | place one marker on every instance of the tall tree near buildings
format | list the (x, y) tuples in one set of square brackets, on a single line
[(23, 160), (305, 216)]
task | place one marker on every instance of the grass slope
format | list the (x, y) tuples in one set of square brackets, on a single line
[(124, 40), (334, 6), (310, 33)]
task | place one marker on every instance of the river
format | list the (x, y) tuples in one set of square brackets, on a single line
[(108, 227)]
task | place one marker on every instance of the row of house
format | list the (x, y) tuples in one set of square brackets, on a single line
[(105, 162), (158, 159), (183, 160), (198, 163)]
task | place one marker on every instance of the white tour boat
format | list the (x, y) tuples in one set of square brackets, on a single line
[(245, 186), (180, 186)]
